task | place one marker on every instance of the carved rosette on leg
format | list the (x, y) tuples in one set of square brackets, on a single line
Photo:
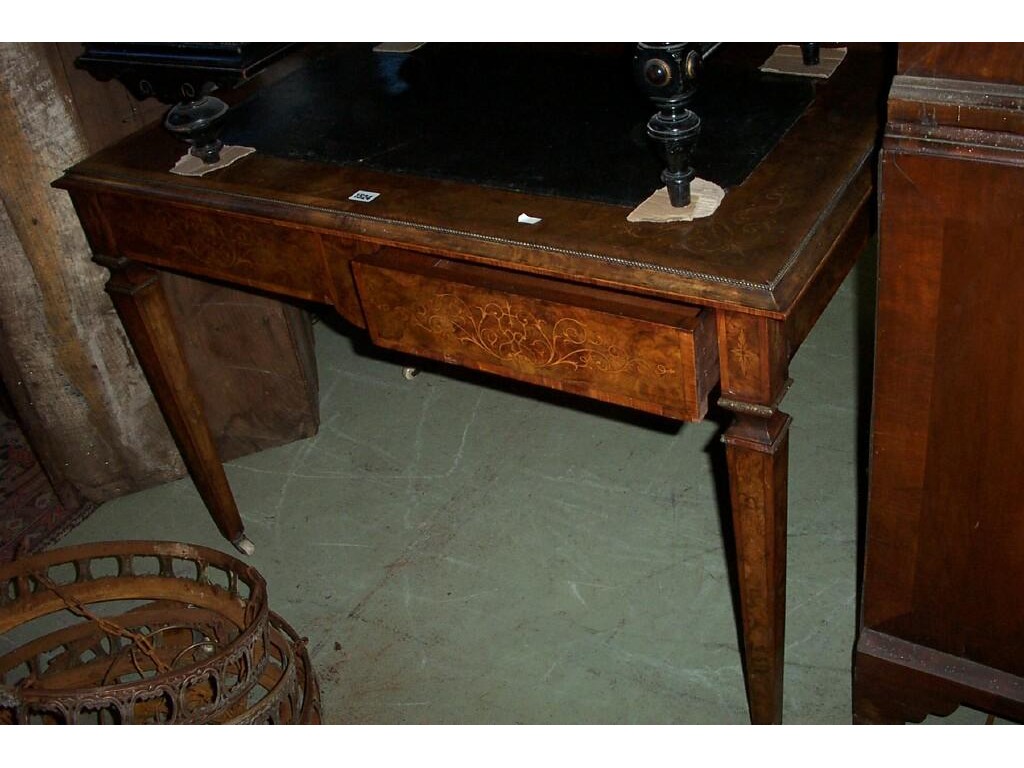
[(667, 74)]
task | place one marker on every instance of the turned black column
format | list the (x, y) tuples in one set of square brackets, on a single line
[(667, 73)]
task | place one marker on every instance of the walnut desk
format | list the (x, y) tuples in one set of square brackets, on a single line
[(654, 317)]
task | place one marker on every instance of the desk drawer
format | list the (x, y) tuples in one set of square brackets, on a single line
[(656, 357)]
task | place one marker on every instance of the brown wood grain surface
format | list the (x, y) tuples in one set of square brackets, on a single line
[(978, 62), (630, 351), (943, 612), (137, 294), (758, 471), (948, 327), (753, 254)]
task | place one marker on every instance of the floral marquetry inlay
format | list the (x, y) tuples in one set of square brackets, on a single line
[(741, 350), (625, 351), (517, 335)]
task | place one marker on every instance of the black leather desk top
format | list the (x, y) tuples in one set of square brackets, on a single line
[(547, 119)]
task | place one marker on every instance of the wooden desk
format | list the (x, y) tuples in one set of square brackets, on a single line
[(650, 316)]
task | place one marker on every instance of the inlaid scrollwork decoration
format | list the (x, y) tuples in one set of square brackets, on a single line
[(517, 335)]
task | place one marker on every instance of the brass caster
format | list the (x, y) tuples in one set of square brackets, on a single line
[(410, 373), (244, 545)]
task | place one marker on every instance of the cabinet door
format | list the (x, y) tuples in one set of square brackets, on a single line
[(945, 534)]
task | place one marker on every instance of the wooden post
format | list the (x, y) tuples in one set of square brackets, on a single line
[(84, 404), (76, 385)]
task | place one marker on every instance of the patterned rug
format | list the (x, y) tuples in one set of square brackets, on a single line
[(31, 516)]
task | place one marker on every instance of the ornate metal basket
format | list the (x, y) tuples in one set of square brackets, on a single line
[(287, 691), (147, 632)]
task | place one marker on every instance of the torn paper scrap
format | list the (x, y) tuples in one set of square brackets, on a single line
[(190, 165), (705, 197), (788, 60)]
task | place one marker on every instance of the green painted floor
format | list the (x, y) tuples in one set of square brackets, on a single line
[(458, 550)]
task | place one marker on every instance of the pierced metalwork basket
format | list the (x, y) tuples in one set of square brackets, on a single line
[(147, 632)]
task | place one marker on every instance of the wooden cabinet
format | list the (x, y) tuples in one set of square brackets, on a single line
[(942, 619)]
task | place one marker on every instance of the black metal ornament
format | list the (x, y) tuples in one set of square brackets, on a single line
[(667, 73), (199, 124)]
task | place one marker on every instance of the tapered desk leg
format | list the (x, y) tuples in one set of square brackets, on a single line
[(754, 362), (142, 306), (757, 450)]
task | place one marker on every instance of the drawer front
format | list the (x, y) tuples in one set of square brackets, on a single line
[(654, 357), (240, 249)]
